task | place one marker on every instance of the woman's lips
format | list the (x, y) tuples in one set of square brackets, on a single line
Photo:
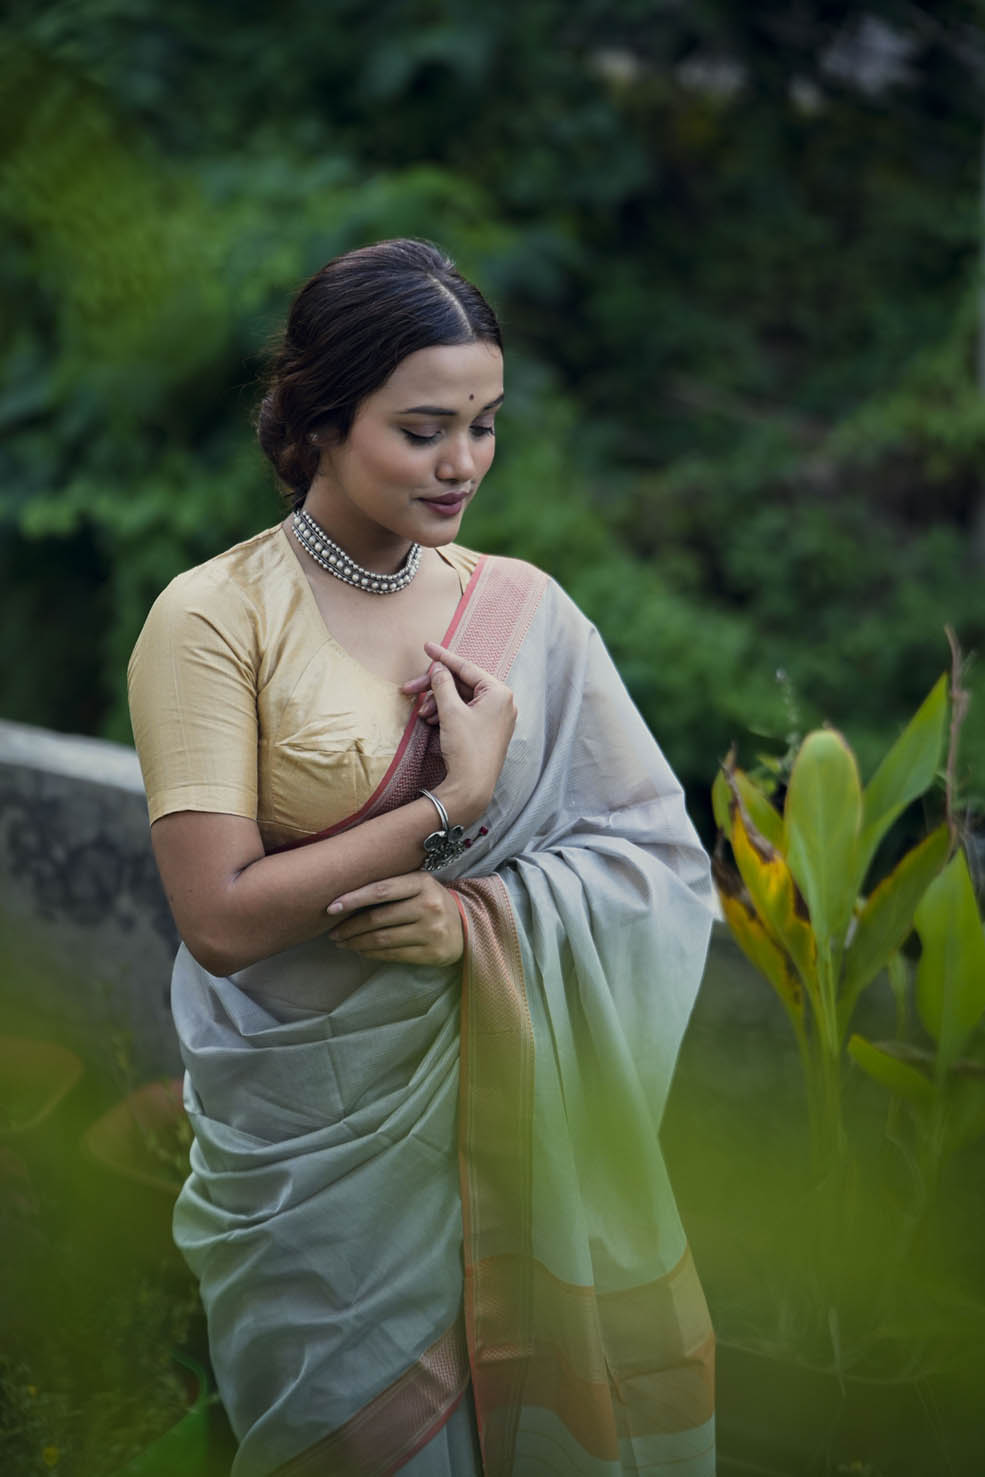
[(446, 506)]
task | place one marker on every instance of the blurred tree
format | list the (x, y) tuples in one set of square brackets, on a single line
[(736, 250)]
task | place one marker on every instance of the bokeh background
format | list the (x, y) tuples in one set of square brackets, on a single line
[(737, 251), (737, 247)]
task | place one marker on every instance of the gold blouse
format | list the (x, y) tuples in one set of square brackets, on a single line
[(243, 702)]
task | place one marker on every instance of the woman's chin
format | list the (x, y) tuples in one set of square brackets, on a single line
[(435, 534)]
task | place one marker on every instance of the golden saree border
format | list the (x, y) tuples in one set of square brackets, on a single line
[(495, 1161), (612, 1365), (382, 1436), (489, 627)]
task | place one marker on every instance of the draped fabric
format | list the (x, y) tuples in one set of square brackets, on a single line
[(417, 1188)]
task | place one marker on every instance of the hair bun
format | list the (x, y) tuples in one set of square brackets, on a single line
[(349, 327)]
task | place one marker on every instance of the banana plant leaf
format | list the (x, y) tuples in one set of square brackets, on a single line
[(822, 823), (905, 773), (950, 982), (887, 917), (730, 783), (766, 955), (899, 1077), (775, 898)]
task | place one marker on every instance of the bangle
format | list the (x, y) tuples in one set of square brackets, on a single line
[(443, 846)]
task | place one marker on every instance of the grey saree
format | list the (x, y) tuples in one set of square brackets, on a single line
[(426, 1202)]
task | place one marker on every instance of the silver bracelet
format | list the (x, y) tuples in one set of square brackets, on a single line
[(443, 846)]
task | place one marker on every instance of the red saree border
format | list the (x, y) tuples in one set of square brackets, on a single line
[(365, 810), (384, 1435), (488, 627)]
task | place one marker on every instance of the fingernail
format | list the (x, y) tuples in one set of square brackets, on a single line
[(334, 908)]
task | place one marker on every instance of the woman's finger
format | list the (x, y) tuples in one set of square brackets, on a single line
[(404, 937), (422, 686), (367, 919), (409, 954), (389, 890), (459, 666)]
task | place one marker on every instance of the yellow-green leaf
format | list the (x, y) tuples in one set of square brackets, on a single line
[(950, 986), (775, 898), (899, 1077), (887, 916), (733, 784), (720, 804), (822, 822), (906, 772), (766, 955)]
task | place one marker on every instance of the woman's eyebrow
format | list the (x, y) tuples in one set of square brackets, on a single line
[(437, 410)]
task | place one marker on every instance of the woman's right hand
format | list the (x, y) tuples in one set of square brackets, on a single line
[(476, 715)]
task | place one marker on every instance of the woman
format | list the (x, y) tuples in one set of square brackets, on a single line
[(427, 1207)]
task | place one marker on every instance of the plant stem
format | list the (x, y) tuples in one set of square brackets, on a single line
[(832, 1136)]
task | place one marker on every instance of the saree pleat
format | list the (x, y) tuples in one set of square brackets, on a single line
[(414, 1189)]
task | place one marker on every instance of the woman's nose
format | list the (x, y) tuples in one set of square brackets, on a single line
[(457, 463)]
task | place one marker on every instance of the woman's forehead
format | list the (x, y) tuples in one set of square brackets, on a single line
[(463, 373)]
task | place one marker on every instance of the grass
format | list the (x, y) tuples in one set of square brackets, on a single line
[(93, 1302), (842, 1321)]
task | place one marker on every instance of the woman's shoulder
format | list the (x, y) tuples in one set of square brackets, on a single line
[(462, 560), (237, 571), (514, 575), (514, 590), (231, 582), (468, 560), (219, 599)]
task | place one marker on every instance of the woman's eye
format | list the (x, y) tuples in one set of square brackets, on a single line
[(418, 439)]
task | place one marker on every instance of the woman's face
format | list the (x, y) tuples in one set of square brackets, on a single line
[(418, 448)]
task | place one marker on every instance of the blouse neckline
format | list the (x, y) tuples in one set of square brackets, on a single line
[(311, 604)]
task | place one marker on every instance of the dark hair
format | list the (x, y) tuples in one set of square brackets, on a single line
[(349, 327)]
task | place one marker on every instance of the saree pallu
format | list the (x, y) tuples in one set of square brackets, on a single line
[(416, 1187)]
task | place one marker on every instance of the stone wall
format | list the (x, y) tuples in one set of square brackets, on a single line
[(86, 937)]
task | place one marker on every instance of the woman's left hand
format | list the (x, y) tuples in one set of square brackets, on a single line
[(406, 920)]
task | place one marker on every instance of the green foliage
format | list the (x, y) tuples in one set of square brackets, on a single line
[(950, 985), (886, 917), (905, 774), (89, 1387), (743, 425), (943, 1087), (822, 819), (794, 903), (895, 1075)]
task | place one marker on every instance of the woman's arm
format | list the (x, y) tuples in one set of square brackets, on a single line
[(234, 905)]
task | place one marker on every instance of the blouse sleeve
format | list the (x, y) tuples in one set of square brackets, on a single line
[(192, 682)]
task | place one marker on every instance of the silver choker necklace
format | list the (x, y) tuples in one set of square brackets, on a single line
[(315, 541)]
